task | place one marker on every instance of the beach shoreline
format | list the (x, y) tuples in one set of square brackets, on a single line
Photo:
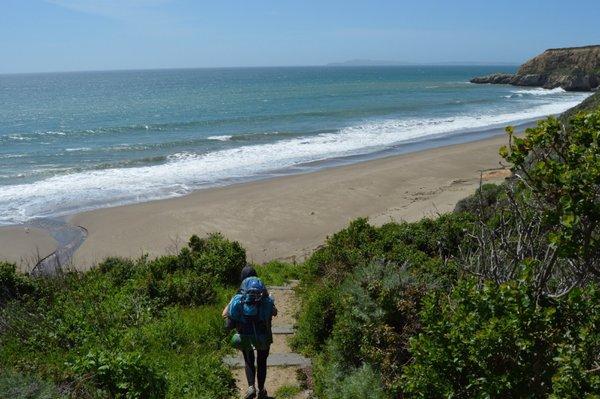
[(284, 217)]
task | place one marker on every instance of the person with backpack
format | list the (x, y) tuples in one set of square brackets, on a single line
[(250, 312)]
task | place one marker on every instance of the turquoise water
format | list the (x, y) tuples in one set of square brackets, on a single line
[(74, 141)]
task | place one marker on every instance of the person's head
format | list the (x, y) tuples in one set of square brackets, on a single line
[(248, 271)]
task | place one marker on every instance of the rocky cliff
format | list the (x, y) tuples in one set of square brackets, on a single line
[(573, 68)]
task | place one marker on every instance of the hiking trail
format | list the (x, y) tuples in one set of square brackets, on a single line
[(282, 364)]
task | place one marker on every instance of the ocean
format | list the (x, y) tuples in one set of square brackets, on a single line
[(82, 140)]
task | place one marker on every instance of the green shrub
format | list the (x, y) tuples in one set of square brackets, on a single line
[(483, 202), (169, 264), (344, 251), (422, 245), (121, 375), (12, 284), (377, 311), (170, 332), (316, 318), (424, 250), (217, 256), (497, 341), (562, 171), (119, 269), (358, 383), (206, 378), (183, 287), (15, 385), (361, 295), (188, 342), (578, 352), (380, 306), (439, 237)]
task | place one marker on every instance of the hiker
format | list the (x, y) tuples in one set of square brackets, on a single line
[(247, 271), (250, 312)]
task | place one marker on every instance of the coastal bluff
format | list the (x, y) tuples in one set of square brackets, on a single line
[(572, 68)]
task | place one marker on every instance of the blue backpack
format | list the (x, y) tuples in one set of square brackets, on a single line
[(251, 308)]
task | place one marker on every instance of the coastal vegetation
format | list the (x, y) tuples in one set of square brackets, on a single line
[(126, 329), (497, 299)]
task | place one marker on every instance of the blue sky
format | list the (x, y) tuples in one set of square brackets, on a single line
[(64, 35)]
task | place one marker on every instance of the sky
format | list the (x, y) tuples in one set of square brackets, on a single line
[(75, 35)]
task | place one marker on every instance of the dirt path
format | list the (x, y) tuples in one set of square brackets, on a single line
[(283, 364)]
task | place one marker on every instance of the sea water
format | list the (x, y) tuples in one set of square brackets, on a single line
[(83, 140)]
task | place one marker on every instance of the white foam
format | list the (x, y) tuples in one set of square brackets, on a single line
[(6, 156), (183, 172), (19, 137), (225, 137), (78, 149), (538, 91)]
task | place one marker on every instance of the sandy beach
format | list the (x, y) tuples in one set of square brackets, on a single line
[(25, 246), (279, 218)]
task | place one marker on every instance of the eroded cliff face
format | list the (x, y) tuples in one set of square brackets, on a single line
[(574, 68)]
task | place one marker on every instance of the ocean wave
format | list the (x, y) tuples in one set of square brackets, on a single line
[(9, 156), (538, 91), (183, 172), (225, 137), (216, 123), (19, 137)]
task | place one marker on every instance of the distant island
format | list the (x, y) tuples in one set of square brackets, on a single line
[(571, 68), (368, 62)]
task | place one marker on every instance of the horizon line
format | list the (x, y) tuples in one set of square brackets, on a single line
[(328, 65)]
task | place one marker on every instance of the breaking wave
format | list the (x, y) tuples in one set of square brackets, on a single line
[(182, 172)]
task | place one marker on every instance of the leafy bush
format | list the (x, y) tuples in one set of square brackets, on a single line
[(119, 269), (550, 218), (424, 250), (376, 313), (19, 386), (316, 317), (483, 201), (208, 378), (169, 332), (497, 341), (562, 172), (344, 251), (121, 375), (183, 287), (12, 284), (217, 256), (358, 383), (364, 289), (414, 243)]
